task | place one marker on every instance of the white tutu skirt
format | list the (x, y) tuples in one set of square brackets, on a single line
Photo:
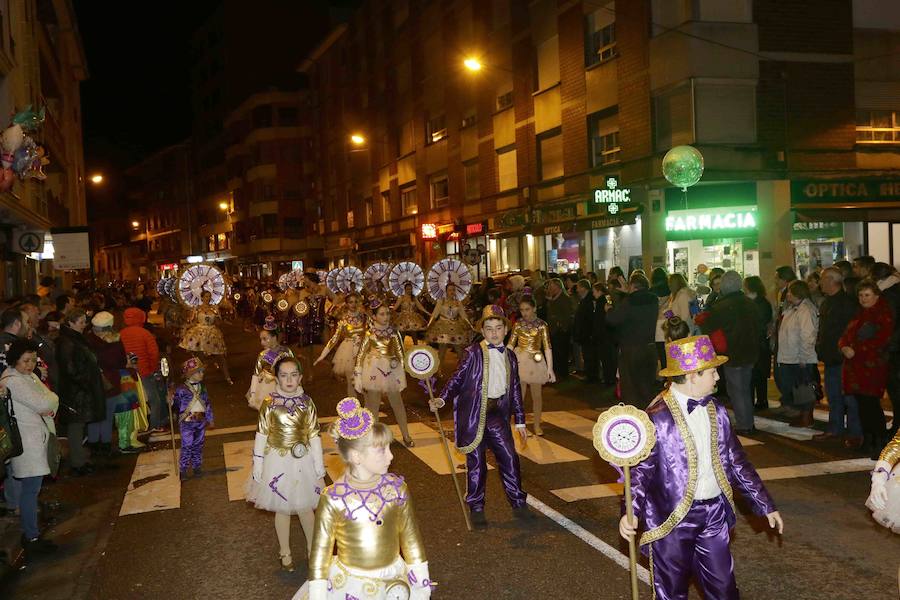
[(369, 584), (530, 370), (890, 516), (379, 376), (345, 358), (409, 321), (288, 486), (259, 391)]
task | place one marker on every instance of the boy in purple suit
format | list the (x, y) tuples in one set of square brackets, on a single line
[(682, 494), (195, 414), (485, 391)]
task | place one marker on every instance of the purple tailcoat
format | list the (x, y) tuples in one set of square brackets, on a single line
[(663, 486), (182, 399), (467, 388)]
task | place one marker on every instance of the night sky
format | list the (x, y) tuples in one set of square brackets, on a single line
[(137, 98)]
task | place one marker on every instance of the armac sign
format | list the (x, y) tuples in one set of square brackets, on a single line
[(848, 191)]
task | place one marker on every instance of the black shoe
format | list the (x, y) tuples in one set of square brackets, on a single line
[(198, 473), (750, 431), (761, 406), (183, 476), (83, 471), (37, 547), (523, 514), (478, 519), (130, 450)]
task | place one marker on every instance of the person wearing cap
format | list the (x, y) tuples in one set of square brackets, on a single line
[(195, 414), (682, 494), (486, 392)]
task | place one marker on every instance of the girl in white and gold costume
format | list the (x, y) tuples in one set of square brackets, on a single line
[(379, 367), (368, 514), (288, 466), (530, 340), (347, 338), (263, 381), (449, 325), (884, 499), (409, 319)]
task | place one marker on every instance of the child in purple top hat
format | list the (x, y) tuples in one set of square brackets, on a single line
[(195, 414)]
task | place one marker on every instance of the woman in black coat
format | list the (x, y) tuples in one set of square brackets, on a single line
[(80, 387), (756, 291)]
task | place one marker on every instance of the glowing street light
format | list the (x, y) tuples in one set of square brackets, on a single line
[(135, 224), (357, 139), (473, 64), (97, 179), (223, 205)]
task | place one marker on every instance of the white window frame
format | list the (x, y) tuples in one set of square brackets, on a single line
[(893, 131), (436, 201), (406, 194)]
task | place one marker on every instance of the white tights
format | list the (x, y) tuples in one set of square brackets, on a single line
[(283, 531), (373, 403)]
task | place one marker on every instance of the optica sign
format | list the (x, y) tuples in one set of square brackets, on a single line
[(712, 220)]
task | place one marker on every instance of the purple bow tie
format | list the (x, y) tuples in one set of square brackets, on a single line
[(501, 348), (692, 404)]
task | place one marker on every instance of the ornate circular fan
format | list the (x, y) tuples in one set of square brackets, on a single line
[(350, 279), (445, 271), (403, 273), (170, 288), (331, 280), (375, 274), (199, 278)]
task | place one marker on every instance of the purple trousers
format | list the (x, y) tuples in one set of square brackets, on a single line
[(497, 437), (193, 434), (697, 547)]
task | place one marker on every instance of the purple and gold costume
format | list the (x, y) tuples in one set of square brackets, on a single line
[(685, 537), (481, 423), (193, 432)]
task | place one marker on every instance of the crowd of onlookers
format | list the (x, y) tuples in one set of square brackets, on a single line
[(76, 367), (613, 331)]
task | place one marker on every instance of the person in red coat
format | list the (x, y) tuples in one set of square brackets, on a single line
[(865, 369), (139, 341)]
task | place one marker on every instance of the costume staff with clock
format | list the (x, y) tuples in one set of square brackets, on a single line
[(379, 367), (347, 338), (682, 494), (288, 466), (368, 514), (449, 325), (530, 340), (203, 337), (485, 392), (262, 383)]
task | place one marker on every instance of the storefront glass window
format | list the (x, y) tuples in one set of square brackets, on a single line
[(818, 245), (505, 255), (616, 247)]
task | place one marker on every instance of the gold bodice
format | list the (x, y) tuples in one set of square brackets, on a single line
[(371, 527), (206, 315), (891, 452), (385, 342), (531, 336), (286, 421), (452, 309), (267, 359), (349, 327)]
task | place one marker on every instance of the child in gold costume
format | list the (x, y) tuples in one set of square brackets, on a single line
[(347, 338), (368, 513), (884, 499)]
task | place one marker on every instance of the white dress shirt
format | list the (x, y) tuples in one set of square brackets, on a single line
[(699, 426), (497, 373)]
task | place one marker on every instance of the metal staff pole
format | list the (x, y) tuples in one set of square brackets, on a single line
[(164, 369), (450, 465), (632, 546)]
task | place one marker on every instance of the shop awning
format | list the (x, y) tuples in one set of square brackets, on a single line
[(621, 216)]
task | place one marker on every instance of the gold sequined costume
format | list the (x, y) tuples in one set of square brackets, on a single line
[(408, 318), (202, 335), (378, 543), (451, 325), (530, 341), (890, 515), (379, 363), (347, 339)]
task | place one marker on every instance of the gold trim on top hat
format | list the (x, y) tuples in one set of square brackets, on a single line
[(690, 355)]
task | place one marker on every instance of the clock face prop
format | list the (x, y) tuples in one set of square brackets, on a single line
[(290, 280), (170, 288), (350, 279), (446, 271), (301, 309), (197, 279), (624, 435), (331, 281), (376, 274), (403, 273), (421, 362)]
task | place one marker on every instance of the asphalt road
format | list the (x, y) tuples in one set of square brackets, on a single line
[(211, 547)]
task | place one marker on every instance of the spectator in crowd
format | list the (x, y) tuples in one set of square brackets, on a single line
[(862, 266), (797, 360), (81, 388), (64, 303), (850, 284), (538, 293), (659, 283), (865, 371), (47, 289), (836, 312), (12, 323), (141, 299), (888, 281), (49, 373), (616, 274), (784, 275), (584, 330), (604, 347), (560, 312), (755, 290), (815, 294), (634, 318), (715, 285), (738, 319)]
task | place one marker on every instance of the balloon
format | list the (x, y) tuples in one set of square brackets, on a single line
[(683, 166), (7, 178), (12, 138), (28, 119), (24, 157)]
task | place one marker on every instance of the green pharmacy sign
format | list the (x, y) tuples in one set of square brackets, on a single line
[(731, 221), (613, 195)]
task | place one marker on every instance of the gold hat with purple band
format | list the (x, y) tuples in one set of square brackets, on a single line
[(491, 311), (689, 355), (191, 366)]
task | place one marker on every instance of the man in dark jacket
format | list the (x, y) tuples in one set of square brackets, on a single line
[(584, 331), (12, 325), (889, 283), (634, 318), (559, 311), (836, 312), (738, 319)]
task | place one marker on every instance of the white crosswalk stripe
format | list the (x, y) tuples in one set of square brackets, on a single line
[(154, 484)]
